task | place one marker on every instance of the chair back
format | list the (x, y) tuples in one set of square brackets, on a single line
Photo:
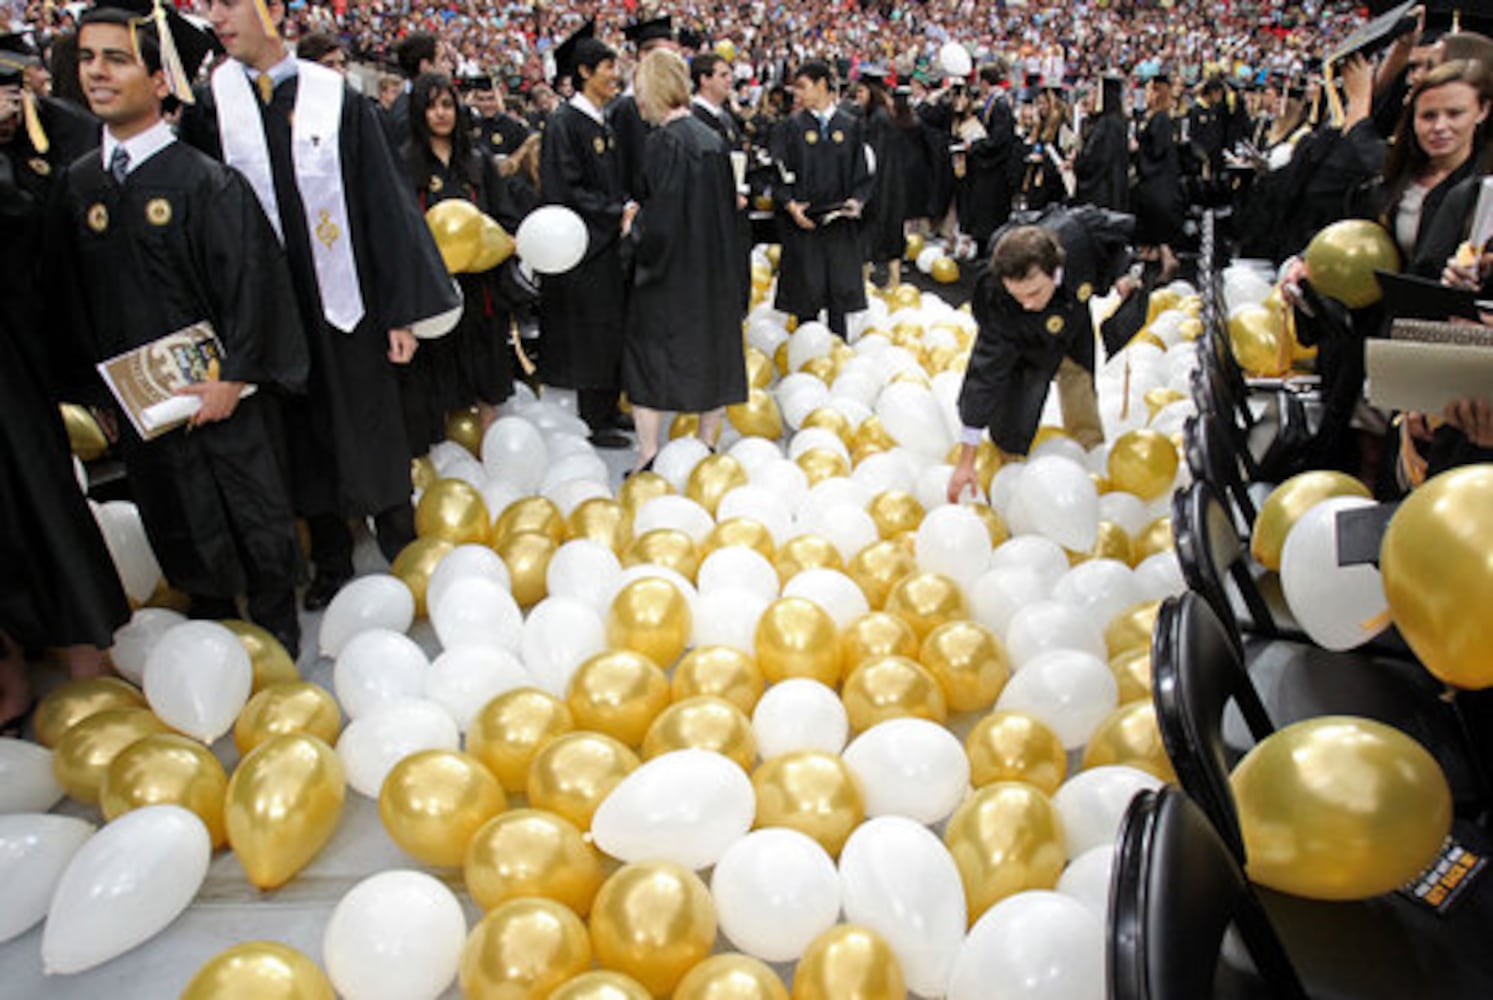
[(1212, 553), (1210, 457)]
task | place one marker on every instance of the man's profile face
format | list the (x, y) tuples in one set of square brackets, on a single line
[(1033, 291)]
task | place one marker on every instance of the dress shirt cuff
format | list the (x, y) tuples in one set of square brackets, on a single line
[(970, 436)]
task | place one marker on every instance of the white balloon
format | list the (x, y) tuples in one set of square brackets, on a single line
[(837, 490), (1338, 606), (897, 878), (558, 637), (464, 561), (587, 466), (848, 528), (926, 257), (728, 616), (377, 600), (751, 452), (953, 541), (1070, 691), (756, 503), (396, 935), (1087, 878), (833, 591), (197, 679), (1043, 626), (123, 886), (514, 453), (784, 479), (1003, 487), (137, 637), (27, 784), (34, 851), (811, 340), (561, 445), (955, 59), (1160, 576), (497, 495), (551, 240), (1060, 447), (1060, 498), (376, 668), (476, 611), (370, 746), (1126, 510), (885, 471), (1042, 556), (464, 680), (1092, 803), (677, 512), (124, 536), (678, 458), (445, 455), (912, 418), (932, 488), (738, 567), (687, 806), (798, 400), (817, 437), (997, 594), (1035, 945), (573, 492), (799, 714), (909, 767), (583, 569), (775, 891), (1099, 589), (468, 470), (860, 386)]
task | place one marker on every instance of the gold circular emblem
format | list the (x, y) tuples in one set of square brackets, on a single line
[(1054, 325), (601, 145), (497, 138), (158, 211), (837, 136), (98, 217), (436, 184), (811, 137), (39, 166), (1084, 291)]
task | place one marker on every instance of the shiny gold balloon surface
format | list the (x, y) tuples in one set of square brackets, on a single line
[(454, 510), (1437, 560), (267, 655), (653, 921), (718, 671), (1340, 808), (70, 703), (915, 244), (820, 464), (849, 961), (650, 616), (894, 512), (416, 562), (572, 773), (259, 970), (527, 556), (757, 417), (1143, 462), (1257, 338), (1286, 505), (530, 852), (806, 552), (283, 803), (824, 368), (833, 420), (1132, 673), (893, 687), (873, 636), (1158, 399), (1005, 838), (712, 478), (740, 531), (84, 436), (166, 769), (1130, 737), (86, 750), (1013, 746), (618, 693), (703, 723), (603, 520), (878, 567), (293, 707), (812, 792), (906, 296), (456, 225), (422, 473), (1155, 537), (494, 246), (639, 488), (1342, 258), (759, 369), (995, 527), (666, 547), (511, 728), (1111, 542), (873, 432), (1131, 629), (731, 977), (531, 513), (797, 638), (945, 270), (601, 985), (524, 948), (464, 426), (926, 600), (969, 663), (433, 802)]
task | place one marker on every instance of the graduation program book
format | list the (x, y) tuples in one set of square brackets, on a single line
[(146, 379)]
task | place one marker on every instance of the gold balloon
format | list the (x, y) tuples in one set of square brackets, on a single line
[(731, 977), (1111, 542), (650, 616), (684, 425), (259, 970), (968, 662), (703, 723), (433, 803), (1005, 838), (1257, 338), (267, 655), (85, 751), (774, 253), (523, 949), (454, 510), (494, 246), (84, 436), (618, 693), (1013, 746), (513, 727), (806, 552), (926, 600), (456, 225), (797, 638), (1132, 673), (721, 672), (1155, 537), (527, 556), (1340, 808), (915, 244), (530, 852), (849, 962), (823, 368), (282, 709), (599, 985), (1048, 432), (653, 921), (894, 512), (780, 357), (667, 547), (740, 531), (70, 703), (757, 417), (877, 568), (712, 478), (1131, 629), (915, 376), (873, 636), (422, 473), (820, 464), (416, 562), (1162, 300), (571, 774), (1438, 574), (638, 489), (1158, 399), (1342, 258), (603, 520), (1286, 505), (906, 296), (812, 792), (283, 803), (1131, 737), (945, 270), (893, 687), (994, 526), (830, 419), (759, 369), (1143, 462), (166, 769), (873, 432), (531, 513), (464, 426)]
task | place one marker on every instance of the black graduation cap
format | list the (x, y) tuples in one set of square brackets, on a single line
[(691, 39), (1446, 17), (1378, 33), (472, 81), (873, 74), (1111, 93), (565, 52), (16, 53), (649, 29), (184, 46), (1162, 78)]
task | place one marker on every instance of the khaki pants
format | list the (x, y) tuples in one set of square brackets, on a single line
[(1079, 403)]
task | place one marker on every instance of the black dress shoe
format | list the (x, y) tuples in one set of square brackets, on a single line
[(624, 422), (321, 591), (603, 438)]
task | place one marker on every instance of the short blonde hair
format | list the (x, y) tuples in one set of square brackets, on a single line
[(661, 83)]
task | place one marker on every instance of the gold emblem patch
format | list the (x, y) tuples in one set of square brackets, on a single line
[(98, 217), (1054, 325), (1084, 291), (39, 166), (497, 138), (327, 231), (811, 137), (158, 211), (837, 136), (436, 184), (601, 145)]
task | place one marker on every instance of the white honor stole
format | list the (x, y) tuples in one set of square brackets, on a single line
[(317, 156)]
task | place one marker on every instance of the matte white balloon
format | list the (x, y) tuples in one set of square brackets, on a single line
[(197, 679), (1124, 509), (370, 746), (1003, 487), (397, 935), (799, 714), (514, 453), (997, 594), (376, 668), (817, 437), (1043, 626), (551, 239), (137, 637), (836, 490), (687, 806), (1035, 945), (751, 452), (1041, 555), (34, 851), (27, 784), (909, 767), (377, 600), (1340, 607), (464, 680), (1087, 879), (585, 570), (775, 891), (1099, 589), (679, 513), (911, 416), (678, 458), (464, 561), (497, 495), (848, 528), (728, 617), (738, 567), (785, 480), (833, 591), (811, 340), (476, 611), (1092, 803), (1060, 498), (558, 637), (1160, 576), (1070, 691), (885, 471), (759, 504), (952, 540), (585, 466)]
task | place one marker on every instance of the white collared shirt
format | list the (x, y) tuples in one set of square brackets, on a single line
[(279, 73), (702, 102), (583, 104), (140, 147)]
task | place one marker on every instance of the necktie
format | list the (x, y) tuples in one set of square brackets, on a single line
[(119, 164), (266, 85)]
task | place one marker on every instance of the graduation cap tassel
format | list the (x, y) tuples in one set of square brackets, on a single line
[(268, 23), (177, 82), (34, 131), (528, 366), (1335, 113)]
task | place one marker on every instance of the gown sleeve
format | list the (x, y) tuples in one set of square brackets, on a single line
[(988, 379)]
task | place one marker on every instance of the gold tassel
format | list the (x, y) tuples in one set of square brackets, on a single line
[(1335, 113), (34, 131), (268, 23), (518, 348), (177, 82)]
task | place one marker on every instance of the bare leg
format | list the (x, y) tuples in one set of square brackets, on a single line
[(710, 426), (647, 422), (487, 413), (15, 686), (893, 273)]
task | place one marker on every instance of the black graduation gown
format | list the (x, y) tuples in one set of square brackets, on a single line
[(581, 311), (631, 130), (724, 125), (887, 209), (682, 349), (1159, 210), (182, 240), (992, 174), (1015, 357), (1101, 170), (913, 139), (938, 124), (821, 267), (347, 445)]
